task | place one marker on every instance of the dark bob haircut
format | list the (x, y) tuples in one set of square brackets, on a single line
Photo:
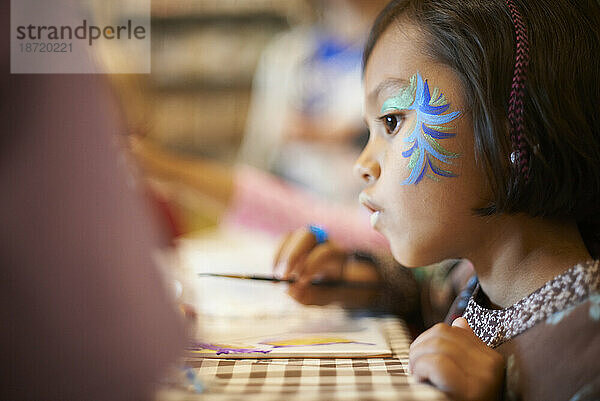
[(476, 38)]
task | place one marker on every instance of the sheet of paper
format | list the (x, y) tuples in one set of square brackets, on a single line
[(250, 319), (234, 251), (328, 333)]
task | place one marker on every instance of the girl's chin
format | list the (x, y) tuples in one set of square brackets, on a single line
[(399, 252)]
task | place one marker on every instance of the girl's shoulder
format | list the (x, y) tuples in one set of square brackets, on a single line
[(551, 339), (557, 358)]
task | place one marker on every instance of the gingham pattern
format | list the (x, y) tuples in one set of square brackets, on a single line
[(312, 379)]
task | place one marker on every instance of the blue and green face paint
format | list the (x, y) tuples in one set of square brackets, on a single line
[(430, 125)]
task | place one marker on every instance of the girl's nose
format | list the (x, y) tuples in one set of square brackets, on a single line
[(367, 167)]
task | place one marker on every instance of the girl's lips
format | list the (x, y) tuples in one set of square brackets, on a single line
[(366, 202)]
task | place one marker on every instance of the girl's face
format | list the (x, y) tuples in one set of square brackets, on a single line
[(419, 163)]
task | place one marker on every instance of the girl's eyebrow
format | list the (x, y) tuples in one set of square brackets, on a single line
[(389, 83)]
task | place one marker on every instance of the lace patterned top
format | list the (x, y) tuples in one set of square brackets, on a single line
[(559, 295), (550, 339)]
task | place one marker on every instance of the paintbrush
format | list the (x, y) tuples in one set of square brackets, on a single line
[(272, 279)]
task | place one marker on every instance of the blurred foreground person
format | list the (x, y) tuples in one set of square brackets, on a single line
[(84, 312)]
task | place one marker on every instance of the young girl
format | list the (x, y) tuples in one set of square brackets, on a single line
[(484, 144)]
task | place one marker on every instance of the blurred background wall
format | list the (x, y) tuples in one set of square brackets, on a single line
[(204, 54), (195, 104)]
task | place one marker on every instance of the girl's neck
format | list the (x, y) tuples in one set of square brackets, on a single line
[(523, 254)]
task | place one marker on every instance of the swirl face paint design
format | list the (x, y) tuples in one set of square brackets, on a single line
[(429, 126)]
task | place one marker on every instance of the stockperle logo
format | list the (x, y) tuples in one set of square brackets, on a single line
[(75, 36)]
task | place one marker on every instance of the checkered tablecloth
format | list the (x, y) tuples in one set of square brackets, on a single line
[(309, 379)]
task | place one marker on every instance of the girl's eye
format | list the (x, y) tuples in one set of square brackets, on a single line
[(392, 123)]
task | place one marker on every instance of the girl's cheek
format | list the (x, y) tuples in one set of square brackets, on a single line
[(398, 162), (428, 133)]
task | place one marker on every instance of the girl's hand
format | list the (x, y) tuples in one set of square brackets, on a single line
[(301, 258), (456, 361)]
